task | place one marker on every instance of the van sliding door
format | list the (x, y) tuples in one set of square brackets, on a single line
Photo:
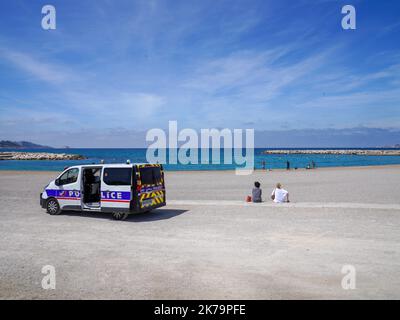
[(116, 189)]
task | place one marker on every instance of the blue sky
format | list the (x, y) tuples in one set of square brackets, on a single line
[(114, 69)]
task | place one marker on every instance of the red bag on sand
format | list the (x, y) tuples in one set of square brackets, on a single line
[(248, 199)]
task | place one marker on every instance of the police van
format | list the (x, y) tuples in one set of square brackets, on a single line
[(119, 189)]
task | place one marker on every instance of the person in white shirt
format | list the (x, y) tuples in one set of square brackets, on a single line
[(280, 195)]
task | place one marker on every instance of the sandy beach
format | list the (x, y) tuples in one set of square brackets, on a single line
[(207, 243)]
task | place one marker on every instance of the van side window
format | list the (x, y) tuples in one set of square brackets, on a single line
[(150, 175), (117, 176), (70, 176)]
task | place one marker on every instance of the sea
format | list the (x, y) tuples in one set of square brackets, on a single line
[(138, 155)]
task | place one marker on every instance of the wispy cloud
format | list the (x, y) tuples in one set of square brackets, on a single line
[(37, 68)]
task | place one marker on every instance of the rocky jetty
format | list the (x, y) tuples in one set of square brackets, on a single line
[(362, 152), (39, 156)]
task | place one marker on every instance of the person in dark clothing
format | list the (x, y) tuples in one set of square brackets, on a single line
[(256, 192), (287, 165)]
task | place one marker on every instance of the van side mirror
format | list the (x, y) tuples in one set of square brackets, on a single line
[(57, 182)]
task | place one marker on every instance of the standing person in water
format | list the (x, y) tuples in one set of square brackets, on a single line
[(279, 194), (287, 165), (256, 192)]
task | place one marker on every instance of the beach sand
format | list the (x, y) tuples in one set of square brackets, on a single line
[(207, 243)]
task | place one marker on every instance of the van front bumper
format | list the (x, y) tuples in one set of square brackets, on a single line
[(42, 201)]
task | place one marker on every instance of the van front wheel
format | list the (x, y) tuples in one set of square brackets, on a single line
[(53, 207), (119, 215)]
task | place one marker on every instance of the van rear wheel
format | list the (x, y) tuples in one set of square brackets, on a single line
[(53, 207), (119, 215)]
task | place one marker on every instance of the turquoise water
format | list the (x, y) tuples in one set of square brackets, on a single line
[(139, 155)]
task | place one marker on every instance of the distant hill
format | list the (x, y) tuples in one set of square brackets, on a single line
[(21, 145), (397, 146)]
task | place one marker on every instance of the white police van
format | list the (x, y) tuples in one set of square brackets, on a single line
[(119, 189)]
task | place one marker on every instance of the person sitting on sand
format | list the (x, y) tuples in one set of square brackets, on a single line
[(256, 192), (280, 195)]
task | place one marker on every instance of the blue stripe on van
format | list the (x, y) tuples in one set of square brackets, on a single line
[(63, 193), (105, 195), (115, 195)]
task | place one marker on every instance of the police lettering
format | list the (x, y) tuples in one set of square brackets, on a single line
[(73, 194), (111, 195)]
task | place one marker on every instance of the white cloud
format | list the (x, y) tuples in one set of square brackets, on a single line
[(44, 71)]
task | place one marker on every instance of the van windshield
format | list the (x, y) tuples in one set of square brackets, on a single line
[(117, 176), (150, 175)]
